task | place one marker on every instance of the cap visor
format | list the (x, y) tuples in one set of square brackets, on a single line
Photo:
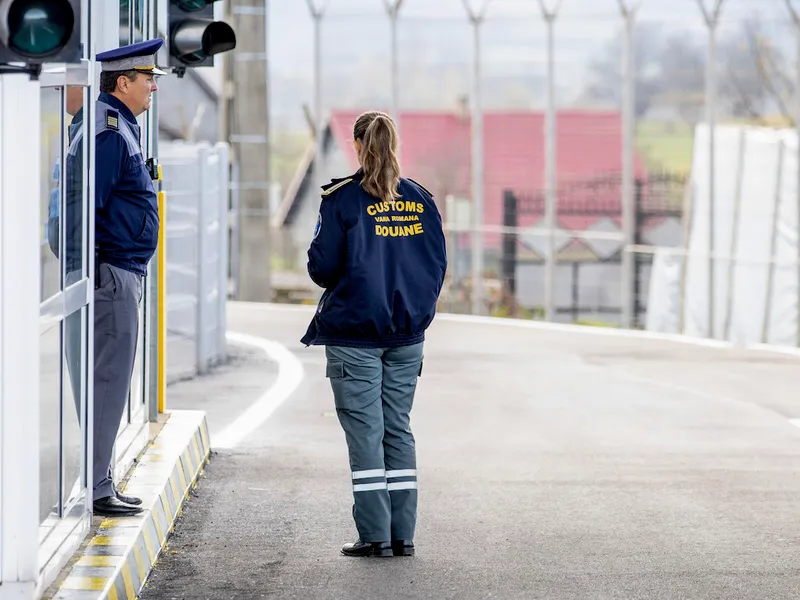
[(157, 71)]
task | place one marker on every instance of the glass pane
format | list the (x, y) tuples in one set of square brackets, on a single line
[(51, 180), (49, 417), (138, 20), (74, 385), (124, 22), (74, 227)]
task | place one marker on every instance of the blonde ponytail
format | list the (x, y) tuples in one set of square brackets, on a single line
[(379, 142)]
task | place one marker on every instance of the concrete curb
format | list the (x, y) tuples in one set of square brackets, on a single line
[(118, 559)]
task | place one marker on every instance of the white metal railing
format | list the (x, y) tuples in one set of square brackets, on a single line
[(195, 179)]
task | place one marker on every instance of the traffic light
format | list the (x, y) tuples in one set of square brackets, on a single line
[(194, 36), (40, 31)]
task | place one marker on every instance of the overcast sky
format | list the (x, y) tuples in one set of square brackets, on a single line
[(436, 35)]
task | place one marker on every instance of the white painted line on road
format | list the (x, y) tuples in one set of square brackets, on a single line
[(581, 329), (795, 422), (290, 374), (617, 332)]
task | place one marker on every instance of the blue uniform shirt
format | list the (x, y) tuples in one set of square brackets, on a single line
[(382, 265)]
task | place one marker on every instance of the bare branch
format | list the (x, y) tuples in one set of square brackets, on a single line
[(793, 12)]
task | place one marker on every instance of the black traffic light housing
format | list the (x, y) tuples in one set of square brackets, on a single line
[(34, 32), (194, 36)]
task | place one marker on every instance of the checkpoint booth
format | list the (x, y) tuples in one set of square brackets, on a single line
[(46, 330)]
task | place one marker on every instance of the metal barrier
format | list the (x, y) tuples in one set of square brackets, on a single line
[(196, 184)]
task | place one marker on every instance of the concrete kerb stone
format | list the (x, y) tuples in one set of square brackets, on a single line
[(116, 562)]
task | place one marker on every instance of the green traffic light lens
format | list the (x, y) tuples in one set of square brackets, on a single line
[(192, 5), (39, 28)]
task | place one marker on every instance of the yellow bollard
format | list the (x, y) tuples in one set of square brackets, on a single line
[(162, 302)]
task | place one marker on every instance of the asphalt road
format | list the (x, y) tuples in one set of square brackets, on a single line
[(551, 465)]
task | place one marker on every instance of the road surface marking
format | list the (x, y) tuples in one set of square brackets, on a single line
[(795, 422), (290, 374)]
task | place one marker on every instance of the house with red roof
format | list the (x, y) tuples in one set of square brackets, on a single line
[(436, 151)]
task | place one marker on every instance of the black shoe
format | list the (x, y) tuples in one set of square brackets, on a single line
[(112, 507), (359, 548), (128, 499), (403, 547)]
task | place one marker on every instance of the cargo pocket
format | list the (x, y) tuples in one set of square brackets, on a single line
[(334, 370), (355, 387)]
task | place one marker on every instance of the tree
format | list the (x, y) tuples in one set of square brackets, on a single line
[(670, 73)]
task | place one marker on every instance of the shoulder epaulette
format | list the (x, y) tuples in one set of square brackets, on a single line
[(112, 119), (427, 191), (332, 187)]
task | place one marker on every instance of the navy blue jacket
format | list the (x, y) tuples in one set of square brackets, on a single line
[(382, 266), (126, 202)]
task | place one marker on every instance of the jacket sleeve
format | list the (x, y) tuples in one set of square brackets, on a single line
[(328, 250), (112, 156)]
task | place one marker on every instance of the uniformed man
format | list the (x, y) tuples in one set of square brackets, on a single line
[(379, 252), (126, 235)]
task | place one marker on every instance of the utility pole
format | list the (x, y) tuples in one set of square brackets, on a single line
[(712, 21), (551, 166), (250, 141), (628, 299), (477, 18)]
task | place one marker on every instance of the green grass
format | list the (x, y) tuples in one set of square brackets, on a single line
[(666, 146)]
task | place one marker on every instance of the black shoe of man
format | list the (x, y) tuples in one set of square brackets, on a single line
[(365, 549), (403, 547), (133, 500), (112, 507)]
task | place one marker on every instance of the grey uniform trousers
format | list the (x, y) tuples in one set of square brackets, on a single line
[(116, 326), (374, 391)]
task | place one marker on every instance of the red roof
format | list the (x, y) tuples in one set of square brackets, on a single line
[(436, 151)]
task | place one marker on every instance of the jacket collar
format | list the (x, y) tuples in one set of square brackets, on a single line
[(118, 104)]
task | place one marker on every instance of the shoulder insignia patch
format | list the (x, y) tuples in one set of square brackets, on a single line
[(112, 119), (328, 191), (427, 191)]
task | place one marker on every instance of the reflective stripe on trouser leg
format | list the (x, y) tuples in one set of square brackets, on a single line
[(355, 376), (401, 369)]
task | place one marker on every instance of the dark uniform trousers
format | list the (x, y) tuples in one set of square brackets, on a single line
[(116, 327), (374, 391)]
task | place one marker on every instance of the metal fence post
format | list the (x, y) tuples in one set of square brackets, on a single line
[(737, 209), (551, 166), (628, 165), (712, 20), (201, 339), (773, 247), (796, 20), (222, 300), (477, 18)]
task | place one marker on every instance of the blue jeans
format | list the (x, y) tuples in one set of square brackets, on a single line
[(373, 389)]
